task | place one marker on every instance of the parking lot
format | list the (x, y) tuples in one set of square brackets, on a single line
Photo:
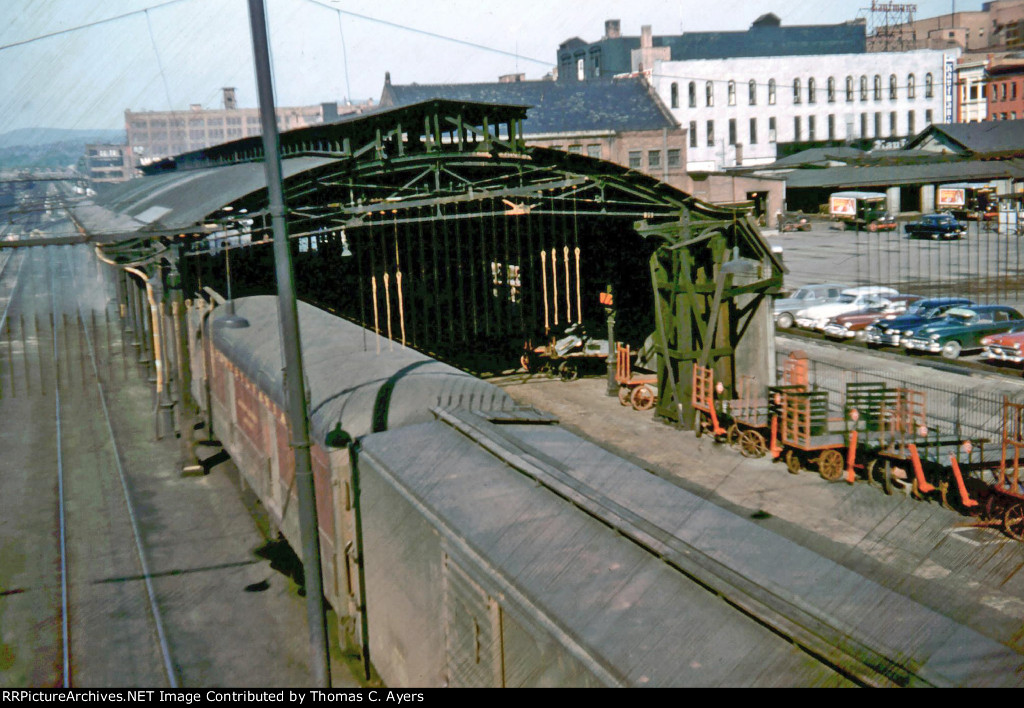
[(986, 265)]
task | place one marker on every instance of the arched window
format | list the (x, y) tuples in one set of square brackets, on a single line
[(771, 92), (929, 86), (675, 95), (796, 91), (892, 87), (732, 93), (709, 94), (812, 93), (831, 89), (878, 87), (911, 86), (693, 94), (849, 89), (863, 88), (752, 92)]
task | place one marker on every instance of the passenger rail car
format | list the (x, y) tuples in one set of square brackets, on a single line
[(501, 549)]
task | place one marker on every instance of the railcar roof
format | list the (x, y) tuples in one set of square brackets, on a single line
[(628, 605), (350, 382)]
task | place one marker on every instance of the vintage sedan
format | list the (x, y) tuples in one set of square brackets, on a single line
[(855, 324), (1005, 347), (936, 226), (853, 299), (890, 333), (784, 309), (962, 329)]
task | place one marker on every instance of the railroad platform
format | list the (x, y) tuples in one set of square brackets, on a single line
[(944, 560), (229, 613)]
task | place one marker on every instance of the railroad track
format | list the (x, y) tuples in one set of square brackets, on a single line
[(83, 575)]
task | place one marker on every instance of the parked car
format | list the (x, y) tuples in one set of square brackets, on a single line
[(883, 223), (855, 324), (936, 226), (783, 309), (851, 300), (962, 329), (1004, 347), (890, 333)]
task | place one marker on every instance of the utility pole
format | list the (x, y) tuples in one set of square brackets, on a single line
[(298, 422)]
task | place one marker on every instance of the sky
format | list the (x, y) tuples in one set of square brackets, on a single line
[(169, 54)]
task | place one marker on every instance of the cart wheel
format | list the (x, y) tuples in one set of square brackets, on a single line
[(752, 444), (869, 470), (793, 462), (830, 465), (568, 370), (733, 435), (886, 478), (1013, 521), (526, 361), (944, 495), (993, 507), (624, 395), (643, 398)]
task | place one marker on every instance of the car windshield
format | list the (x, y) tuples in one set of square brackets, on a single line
[(847, 299), (801, 294)]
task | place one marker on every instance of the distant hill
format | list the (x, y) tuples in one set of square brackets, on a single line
[(29, 137), (50, 147)]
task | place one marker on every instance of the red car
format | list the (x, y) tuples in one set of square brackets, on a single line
[(849, 325), (1004, 347)]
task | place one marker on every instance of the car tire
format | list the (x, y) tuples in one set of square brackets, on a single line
[(784, 321), (951, 350), (935, 237)]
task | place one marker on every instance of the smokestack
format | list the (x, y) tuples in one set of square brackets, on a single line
[(229, 99), (611, 29)]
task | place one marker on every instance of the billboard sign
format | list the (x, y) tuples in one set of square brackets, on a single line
[(948, 71), (948, 197), (842, 206)]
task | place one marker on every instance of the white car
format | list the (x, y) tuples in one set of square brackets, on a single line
[(851, 300)]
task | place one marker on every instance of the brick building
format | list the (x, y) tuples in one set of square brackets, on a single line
[(1005, 90)]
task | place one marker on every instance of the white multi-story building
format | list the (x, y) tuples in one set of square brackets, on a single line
[(973, 106), (738, 110)]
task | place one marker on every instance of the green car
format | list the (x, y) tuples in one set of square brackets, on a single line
[(962, 329)]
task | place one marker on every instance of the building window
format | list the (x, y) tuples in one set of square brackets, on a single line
[(849, 89), (878, 124), (810, 127), (693, 133), (812, 93), (796, 128), (863, 88), (1002, 91), (711, 133), (675, 156), (878, 87), (732, 93), (929, 86), (892, 124), (732, 131), (709, 94), (693, 94), (772, 133), (910, 123), (576, 149), (796, 91), (892, 87), (911, 86), (771, 92), (753, 131), (597, 63), (928, 116), (831, 127), (831, 89), (752, 92), (675, 95), (581, 69), (634, 159), (863, 125), (594, 151), (654, 159)]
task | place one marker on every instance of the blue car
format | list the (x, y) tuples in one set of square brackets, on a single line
[(890, 333)]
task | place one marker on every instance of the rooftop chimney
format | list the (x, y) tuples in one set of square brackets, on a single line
[(646, 38), (229, 99), (611, 29)]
